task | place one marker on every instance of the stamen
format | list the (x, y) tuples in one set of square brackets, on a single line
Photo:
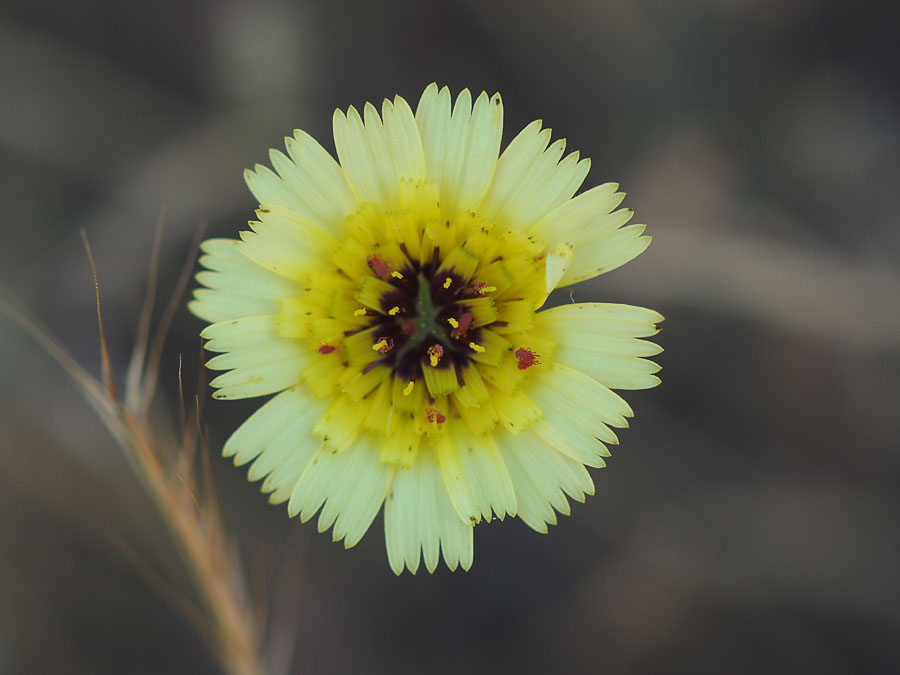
[(435, 416), (377, 265), (384, 345), (476, 348), (396, 274), (435, 352), (481, 288), (394, 311), (453, 322), (327, 349), (447, 282), (464, 323), (407, 390), (527, 358), (360, 312)]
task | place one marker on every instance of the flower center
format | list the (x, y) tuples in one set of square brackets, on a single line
[(421, 325), (427, 312), (423, 321)]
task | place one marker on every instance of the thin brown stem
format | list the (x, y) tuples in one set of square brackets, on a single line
[(229, 625)]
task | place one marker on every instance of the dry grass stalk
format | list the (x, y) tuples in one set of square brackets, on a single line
[(186, 497)]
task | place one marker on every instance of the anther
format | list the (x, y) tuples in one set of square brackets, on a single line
[(407, 390), (481, 288), (360, 312), (464, 323), (435, 416), (476, 347), (527, 358), (377, 265), (394, 311), (453, 322), (435, 352), (396, 274), (327, 349), (447, 282), (384, 345)]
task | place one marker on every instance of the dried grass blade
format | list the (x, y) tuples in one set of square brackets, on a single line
[(155, 354), (105, 363), (93, 392), (136, 365)]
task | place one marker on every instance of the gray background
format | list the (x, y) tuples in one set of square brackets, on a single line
[(745, 523)]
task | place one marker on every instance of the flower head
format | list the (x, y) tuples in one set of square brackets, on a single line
[(390, 301)]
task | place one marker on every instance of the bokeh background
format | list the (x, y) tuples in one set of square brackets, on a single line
[(748, 522)]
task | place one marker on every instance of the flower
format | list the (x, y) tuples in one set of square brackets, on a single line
[(390, 301)]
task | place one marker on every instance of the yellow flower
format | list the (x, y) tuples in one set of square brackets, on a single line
[(390, 300)]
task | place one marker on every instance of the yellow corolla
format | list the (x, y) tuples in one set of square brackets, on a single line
[(391, 302)]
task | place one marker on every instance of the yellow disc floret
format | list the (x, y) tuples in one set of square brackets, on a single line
[(445, 302)]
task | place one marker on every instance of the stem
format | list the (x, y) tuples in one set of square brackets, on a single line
[(201, 540)]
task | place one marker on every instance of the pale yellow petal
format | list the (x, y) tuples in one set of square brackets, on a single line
[(461, 147), (278, 437), (475, 476), (589, 223), (309, 182), (235, 286), (259, 361), (349, 487), (264, 377), (286, 244), (578, 412), (603, 341), (420, 520), (542, 478), (530, 180), (376, 154), (559, 258)]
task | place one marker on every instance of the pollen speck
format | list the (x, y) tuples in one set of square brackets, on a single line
[(435, 352), (453, 322), (360, 312), (394, 311), (435, 416), (527, 358), (476, 347), (396, 274), (377, 265), (384, 345), (407, 390), (447, 282), (465, 322)]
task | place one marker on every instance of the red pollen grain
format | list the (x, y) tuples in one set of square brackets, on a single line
[(435, 416), (388, 346), (436, 351), (475, 289), (527, 358), (465, 322), (327, 349), (378, 266)]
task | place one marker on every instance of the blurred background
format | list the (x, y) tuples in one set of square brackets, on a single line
[(749, 520)]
